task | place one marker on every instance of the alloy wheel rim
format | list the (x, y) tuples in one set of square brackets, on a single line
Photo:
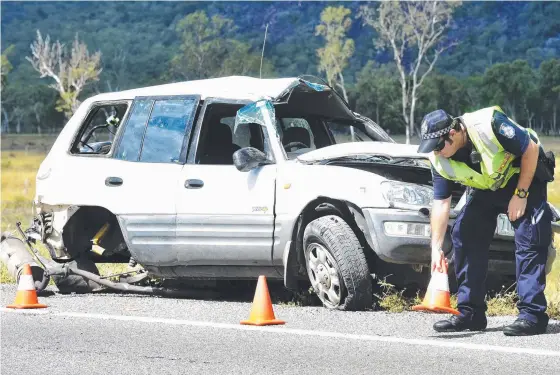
[(323, 274)]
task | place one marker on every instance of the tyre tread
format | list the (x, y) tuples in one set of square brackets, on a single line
[(349, 255)]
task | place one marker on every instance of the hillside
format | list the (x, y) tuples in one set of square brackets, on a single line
[(138, 39)]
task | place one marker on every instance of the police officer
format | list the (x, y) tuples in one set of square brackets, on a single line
[(497, 158)]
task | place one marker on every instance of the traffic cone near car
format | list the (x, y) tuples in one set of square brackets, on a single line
[(437, 298), (26, 295), (262, 313)]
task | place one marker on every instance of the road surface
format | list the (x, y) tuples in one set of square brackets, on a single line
[(132, 334)]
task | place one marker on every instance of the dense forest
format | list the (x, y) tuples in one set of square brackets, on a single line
[(501, 53)]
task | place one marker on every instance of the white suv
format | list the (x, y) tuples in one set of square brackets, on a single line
[(236, 177)]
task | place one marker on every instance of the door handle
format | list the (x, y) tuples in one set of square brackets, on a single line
[(194, 184), (113, 181)]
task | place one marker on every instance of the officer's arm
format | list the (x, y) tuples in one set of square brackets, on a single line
[(438, 221), (528, 165), (517, 141), (441, 207)]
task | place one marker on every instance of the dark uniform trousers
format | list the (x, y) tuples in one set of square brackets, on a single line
[(472, 233)]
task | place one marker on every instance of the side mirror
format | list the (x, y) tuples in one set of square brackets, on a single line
[(249, 158)]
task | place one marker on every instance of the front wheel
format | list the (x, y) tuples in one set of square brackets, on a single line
[(336, 264)]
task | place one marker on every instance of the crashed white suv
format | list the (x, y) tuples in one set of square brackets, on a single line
[(236, 177)]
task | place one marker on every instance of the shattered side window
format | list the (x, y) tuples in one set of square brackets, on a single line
[(315, 86), (260, 112)]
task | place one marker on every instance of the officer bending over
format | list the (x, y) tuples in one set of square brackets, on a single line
[(497, 158)]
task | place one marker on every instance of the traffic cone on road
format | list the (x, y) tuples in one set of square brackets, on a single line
[(262, 313), (437, 298), (26, 295)]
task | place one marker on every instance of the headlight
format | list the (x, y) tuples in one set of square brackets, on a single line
[(405, 195)]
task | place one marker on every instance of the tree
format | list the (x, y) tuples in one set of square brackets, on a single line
[(414, 31), (549, 72), (71, 73), (201, 45), (207, 52), (334, 56), (376, 94), (241, 61), (6, 66), (443, 92), (511, 85)]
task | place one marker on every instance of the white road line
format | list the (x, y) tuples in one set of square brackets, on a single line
[(302, 332)]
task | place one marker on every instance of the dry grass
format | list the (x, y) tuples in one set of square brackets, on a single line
[(18, 169), (503, 302)]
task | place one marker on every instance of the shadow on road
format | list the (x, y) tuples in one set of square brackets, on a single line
[(466, 334), (224, 291), (553, 328)]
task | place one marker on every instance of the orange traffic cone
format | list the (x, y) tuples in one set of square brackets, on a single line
[(26, 296), (262, 313), (437, 298)]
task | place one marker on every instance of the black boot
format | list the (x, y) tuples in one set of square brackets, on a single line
[(524, 327), (459, 323)]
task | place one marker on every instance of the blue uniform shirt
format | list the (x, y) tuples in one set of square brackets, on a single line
[(513, 138)]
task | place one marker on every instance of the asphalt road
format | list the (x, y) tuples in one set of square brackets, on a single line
[(131, 334)]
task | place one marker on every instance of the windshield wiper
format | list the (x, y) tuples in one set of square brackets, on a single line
[(370, 158), (408, 161), (376, 159)]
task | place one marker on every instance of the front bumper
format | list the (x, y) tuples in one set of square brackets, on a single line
[(416, 249)]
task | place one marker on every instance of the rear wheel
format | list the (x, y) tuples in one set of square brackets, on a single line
[(336, 264)]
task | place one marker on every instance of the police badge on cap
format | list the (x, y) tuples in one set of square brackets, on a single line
[(434, 125)]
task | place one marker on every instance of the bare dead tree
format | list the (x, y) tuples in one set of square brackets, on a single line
[(37, 111), (6, 123), (70, 72), (18, 114), (411, 27)]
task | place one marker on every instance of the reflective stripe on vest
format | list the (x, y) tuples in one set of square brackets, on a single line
[(446, 165)]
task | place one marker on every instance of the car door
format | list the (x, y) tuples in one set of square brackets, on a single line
[(224, 216), (144, 172)]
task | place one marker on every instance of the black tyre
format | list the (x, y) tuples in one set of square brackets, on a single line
[(75, 283), (336, 264)]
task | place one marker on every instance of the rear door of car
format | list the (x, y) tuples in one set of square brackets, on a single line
[(143, 176)]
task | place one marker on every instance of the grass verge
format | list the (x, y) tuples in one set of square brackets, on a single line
[(18, 189), (19, 166)]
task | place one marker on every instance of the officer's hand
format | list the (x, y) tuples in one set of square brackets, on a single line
[(438, 259), (516, 207)]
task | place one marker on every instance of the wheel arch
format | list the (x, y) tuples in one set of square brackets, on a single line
[(294, 269), (82, 227)]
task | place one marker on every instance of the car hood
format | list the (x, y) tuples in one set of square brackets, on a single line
[(363, 148)]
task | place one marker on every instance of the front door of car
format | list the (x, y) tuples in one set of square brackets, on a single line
[(143, 174), (224, 216)]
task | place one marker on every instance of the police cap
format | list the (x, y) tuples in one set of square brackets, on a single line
[(434, 125)]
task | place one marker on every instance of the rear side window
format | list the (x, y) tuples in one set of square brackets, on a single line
[(166, 131), (129, 148), (157, 129)]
